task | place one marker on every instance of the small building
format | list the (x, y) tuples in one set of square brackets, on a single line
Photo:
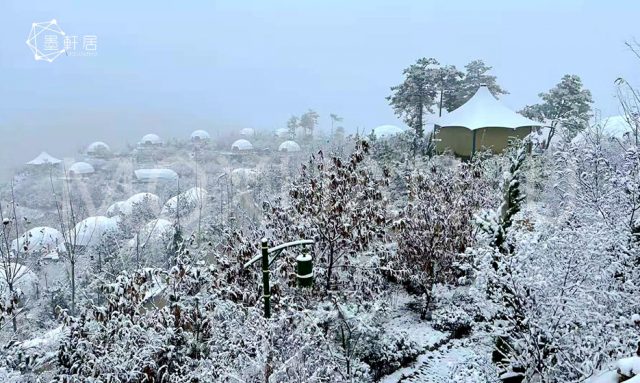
[(289, 147), (44, 158), (483, 122), (241, 145), (282, 132), (80, 169)]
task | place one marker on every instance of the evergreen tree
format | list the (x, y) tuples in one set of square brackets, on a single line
[(308, 122), (417, 93), (474, 75), (292, 125), (566, 105)]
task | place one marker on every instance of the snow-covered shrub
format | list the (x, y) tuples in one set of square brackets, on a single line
[(435, 226), (339, 203)]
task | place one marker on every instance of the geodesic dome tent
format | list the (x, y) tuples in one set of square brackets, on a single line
[(90, 231), (613, 127), (44, 158), (482, 122), (282, 132), (289, 146), (247, 132), (98, 149), (151, 175), (42, 241), (241, 145), (80, 169), (244, 176), (186, 201), (23, 279), (150, 140), (140, 200), (200, 135), (385, 131)]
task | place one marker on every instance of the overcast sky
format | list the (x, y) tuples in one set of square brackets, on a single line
[(173, 66)]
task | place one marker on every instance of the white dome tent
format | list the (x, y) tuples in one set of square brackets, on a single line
[(44, 158), (188, 201), (150, 139), (289, 146), (98, 149), (143, 200), (23, 278), (244, 176), (90, 231), (43, 241), (386, 131), (483, 121), (282, 132), (241, 145), (200, 135), (80, 169), (151, 175), (614, 127), (247, 132)]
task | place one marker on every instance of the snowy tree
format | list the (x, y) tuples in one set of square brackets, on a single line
[(339, 203), (417, 94), (567, 105)]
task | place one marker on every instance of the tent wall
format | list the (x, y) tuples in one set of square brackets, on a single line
[(460, 140), (456, 139)]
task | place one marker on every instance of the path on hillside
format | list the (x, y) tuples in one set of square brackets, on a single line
[(442, 355)]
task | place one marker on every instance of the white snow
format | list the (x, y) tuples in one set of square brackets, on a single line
[(44, 158)]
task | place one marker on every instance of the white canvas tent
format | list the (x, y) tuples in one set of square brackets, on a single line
[(44, 158), (289, 146), (482, 122)]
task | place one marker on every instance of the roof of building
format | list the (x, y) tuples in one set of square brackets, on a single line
[(483, 110)]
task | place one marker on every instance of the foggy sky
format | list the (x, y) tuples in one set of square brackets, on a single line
[(171, 67)]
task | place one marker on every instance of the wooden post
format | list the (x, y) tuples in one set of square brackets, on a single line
[(265, 279)]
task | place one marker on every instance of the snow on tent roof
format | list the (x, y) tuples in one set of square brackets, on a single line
[(44, 158), (97, 147), (23, 278), (483, 110), (90, 231), (126, 207), (384, 131), (200, 135), (155, 174), (282, 132), (247, 132), (188, 200), (289, 146), (151, 138), (241, 144), (41, 240), (81, 168)]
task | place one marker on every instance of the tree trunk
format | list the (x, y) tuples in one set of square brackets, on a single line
[(330, 268), (73, 287)]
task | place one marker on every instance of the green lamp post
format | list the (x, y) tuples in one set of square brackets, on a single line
[(304, 267)]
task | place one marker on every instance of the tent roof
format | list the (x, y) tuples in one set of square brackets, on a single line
[(200, 134), (242, 144), (81, 168), (289, 146), (44, 158), (483, 110), (98, 145)]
